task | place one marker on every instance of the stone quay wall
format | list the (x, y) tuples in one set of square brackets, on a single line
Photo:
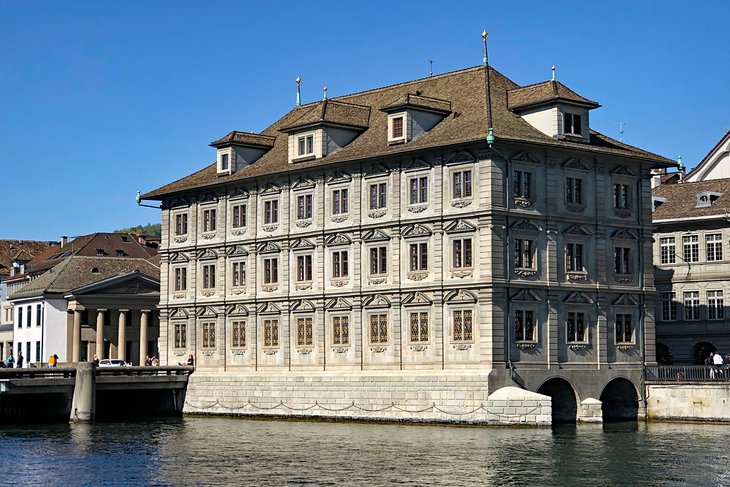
[(443, 397), (703, 401)]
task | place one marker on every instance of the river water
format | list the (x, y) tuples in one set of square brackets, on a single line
[(226, 451)]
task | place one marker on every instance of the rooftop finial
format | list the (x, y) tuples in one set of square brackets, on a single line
[(430, 70), (299, 94), (553, 70), (679, 163), (324, 97), (484, 39)]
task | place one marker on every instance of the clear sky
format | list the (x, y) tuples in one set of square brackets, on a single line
[(100, 99)]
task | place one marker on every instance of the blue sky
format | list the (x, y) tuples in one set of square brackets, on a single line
[(100, 99)]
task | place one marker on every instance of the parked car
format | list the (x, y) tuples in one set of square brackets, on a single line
[(112, 362)]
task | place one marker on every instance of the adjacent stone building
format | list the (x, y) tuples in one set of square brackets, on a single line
[(405, 252)]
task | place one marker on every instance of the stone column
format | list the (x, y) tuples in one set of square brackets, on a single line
[(83, 404), (76, 344), (100, 333), (143, 324), (122, 335)]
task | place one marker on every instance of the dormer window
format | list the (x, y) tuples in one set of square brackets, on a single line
[(706, 198), (397, 128), (305, 145), (572, 124), (224, 162), (413, 115)]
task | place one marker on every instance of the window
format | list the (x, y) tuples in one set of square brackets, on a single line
[(181, 224), (305, 145), (271, 212), (691, 248), (691, 305), (100, 252), (378, 260), (714, 247), (396, 128), (238, 334), (180, 335), (418, 190), (339, 201), (572, 124), (379, 328), (463, 325), (271, 270), (524, 326), (238, 274), (419, 326), (304, 268), (522, 184), (576, 327), (271, 333), (574, 191), (378, 196), (37, 352), (304, 331), (462, 253), (669, 306), (339, 263), (524, 254), (208, 335), (239, 216), (121, 253), (20, 316), (209, 220), (304, 206), (38, 315), (224, 162), (621, 196), (666, 250), (28, 318), (624, 332), (181, 278), (340, 330), (574, 257), (622, 260), (208, 276), (419, 256), (462, 184), (715, 305)]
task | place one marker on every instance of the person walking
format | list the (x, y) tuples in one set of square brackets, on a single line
[(19, 361)]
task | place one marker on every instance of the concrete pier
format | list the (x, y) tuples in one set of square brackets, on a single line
[(83, 405)]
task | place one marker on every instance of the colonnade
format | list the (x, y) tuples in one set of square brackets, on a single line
[(121, 334)]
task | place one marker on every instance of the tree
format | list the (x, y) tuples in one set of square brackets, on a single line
[(149, 229)]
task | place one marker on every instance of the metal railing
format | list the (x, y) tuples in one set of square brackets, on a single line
[(65, 371), (145, 370), (687, 373)]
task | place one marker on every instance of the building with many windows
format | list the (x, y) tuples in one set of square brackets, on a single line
[(407, 251)]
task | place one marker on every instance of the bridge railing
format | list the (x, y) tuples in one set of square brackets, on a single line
[(145, 370), (38, 372), (687, 373)]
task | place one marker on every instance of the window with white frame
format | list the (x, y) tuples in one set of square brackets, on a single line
[(379, 328), (572, 124), (305, 145), (209, 220), (714, 247), (621, 196), (574, 257), (304, 267), (667, 253), (208, 276), (304, 331), (524, 325), (419, 326), (524, 254), (463, 324), (622, 260), (668, 306), (271, 212), (522, 184), (576, 327), (304, 206), (624, 332), (238, 273), (418, 188), (181, 278), (238, 334), (691, 305), (224, 162), (180, 339), (378, 195), (462, 253), (239, 216), (574, 190), (397, 128), (418, 256), (339, 263), (271, 332), (271, 270), (340, 330), (208, 335), (340, 201), (181, 224), (461, 184), (378, 260), (715, 305), (690, 248)]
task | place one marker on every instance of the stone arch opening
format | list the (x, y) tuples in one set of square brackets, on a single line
[(701, 351), (565, 405), (620, 401), (664, 354)]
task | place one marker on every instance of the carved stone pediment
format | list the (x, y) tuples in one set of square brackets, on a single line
[(377, 301), (239, 192), (525, 156), (268, 248), (624, 171), (302, 244), (624, 234), (339, 177), (337, 239), (417, 230), (237, 310), (578, 298), (578, 230), (626, 300), (207, 254), (418, 164), (304, 183), (417, 299), (526, 295), (573, 163), (375, 236), (460, 296), (462, 156), (459, 226), (237, 251), (338, 303), (525, 225), (268, 308)]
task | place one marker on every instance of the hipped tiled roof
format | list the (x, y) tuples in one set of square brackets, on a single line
[(25, 250), (245, 138), (545, 92), (682, 200), (466, 91), (330, 112)]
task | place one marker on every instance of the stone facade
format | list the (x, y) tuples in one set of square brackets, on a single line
[(688, 402)]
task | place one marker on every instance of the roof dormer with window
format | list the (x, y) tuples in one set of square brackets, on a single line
[(413, 115), (239, 149), (706, 198)]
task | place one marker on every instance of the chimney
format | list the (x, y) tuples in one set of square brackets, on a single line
[(64, 240)]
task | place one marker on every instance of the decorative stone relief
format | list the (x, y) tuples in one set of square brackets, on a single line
[(208, 236), (526, 273), (577, 276), (178, 296), (523, 202), (378, 349), (419, 348), (417, 276), (303, 286), (179, 354), (626, 347), (339, 218), (417, 209), (575, 208), (340, 350), (180, 239), (269, 288), (238, 352), (339, 282), (271, 351), (208, 293), (269, 228), (377, 213), (461, 203), (208, 353), (303, 223), (577, 346), (462, 274), (238, 231), (304, 351), (624, 280), (461, 346), (238, 291), (525, 345), (380, 280)]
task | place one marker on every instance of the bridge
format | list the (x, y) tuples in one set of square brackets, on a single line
[(85, 392)]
